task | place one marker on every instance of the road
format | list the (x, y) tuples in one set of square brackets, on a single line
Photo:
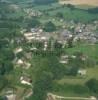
[(54, 97)]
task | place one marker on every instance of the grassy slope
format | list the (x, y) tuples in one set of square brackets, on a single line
[(76, 14)]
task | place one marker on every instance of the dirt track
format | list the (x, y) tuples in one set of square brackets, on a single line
[(80, 2), (70, 98)]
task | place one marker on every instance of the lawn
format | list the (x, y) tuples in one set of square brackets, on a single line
[(90, 50), (74, 86), (91, 73)]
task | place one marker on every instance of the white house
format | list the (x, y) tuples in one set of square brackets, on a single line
[(25, 80), (17, 50), (11, 97), (82, 72), (20, 62)]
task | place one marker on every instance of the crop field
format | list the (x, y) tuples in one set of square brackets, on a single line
[(80, 2)]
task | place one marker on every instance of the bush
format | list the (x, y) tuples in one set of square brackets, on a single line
[(92, 84), (34, 23), (93, 10), (72, 7), (72, 71), (49, 27)]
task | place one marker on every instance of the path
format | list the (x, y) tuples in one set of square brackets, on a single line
[(54, 97)]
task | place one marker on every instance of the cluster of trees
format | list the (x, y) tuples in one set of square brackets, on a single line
[(92, 84), (72, 7), (49, 27), (6, 66), (93, 10), (42, 85), (45, 1), (48, 70), (9, 33), (59, 15), (33, 23)]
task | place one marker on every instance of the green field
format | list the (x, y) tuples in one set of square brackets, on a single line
[(69, 14), (90, 50), (68, 85), (91, 73)]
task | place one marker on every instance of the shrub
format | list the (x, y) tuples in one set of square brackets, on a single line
[(92, 84)]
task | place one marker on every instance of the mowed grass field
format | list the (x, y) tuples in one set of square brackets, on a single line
[(91, 73), (80, 2), (71, 86), (90, 50)]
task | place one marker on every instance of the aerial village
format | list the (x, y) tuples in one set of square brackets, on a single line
[(73, 44)]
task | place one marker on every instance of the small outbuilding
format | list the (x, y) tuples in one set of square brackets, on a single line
[(82, 72)]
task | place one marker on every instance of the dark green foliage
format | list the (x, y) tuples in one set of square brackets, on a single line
[(92, 84), (57, 69), (44, 1), (5, 67), (8, 24), (93, 10), (59, 15), (49, 27), (57, 45), (3, 82), (42, 53), (34, 23), (42, 85), (8, 54), (38, 45), (3, 43), (1, 98), (6, 58), (72, 70), (72, 7), (48, 69), (20, 54)]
